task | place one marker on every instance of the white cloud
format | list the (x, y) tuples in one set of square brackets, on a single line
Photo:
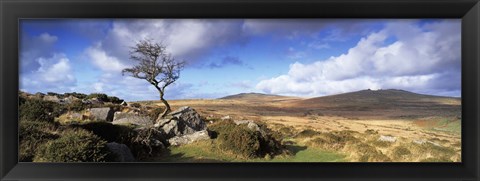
[(98, 86), (417, 60), (104, 61), (33, 47), (186, 39), (45, 37), (54, 73)]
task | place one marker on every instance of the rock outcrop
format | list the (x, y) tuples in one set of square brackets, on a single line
[(69, 99), (94, 101), (390, 139), (251, 125), (51, 98), (190, 138), (131, 118), (227, 117), (183, 121), (102, 114), (121, 151)]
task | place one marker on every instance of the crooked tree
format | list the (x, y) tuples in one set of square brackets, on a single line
[(156, 66)]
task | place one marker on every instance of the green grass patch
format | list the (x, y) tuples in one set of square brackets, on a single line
[(209, 151), (311, 154), (448, 125)]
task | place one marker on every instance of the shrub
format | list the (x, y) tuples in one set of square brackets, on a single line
[(221, 127), (108, 131), (438, 151), (368, 153), (52, 94), (141, 141), (288, 131), (147, 142), (383, 144), (135, 105), (77, 105), (114, 100), (75, 145), (335, 140), (39, 110), (32, 134), (21, 100), (241, 140), (77, 95), (400, 152), (371, 131), (99, 96), (307, 133)]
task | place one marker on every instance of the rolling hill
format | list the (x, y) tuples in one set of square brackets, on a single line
[(383, 102), (252, 96)]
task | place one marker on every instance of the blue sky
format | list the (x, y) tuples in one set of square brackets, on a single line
[(294, 57)]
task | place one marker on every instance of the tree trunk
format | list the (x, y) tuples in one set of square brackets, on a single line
[(167, 107)]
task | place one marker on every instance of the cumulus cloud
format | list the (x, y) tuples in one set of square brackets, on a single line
[(422, 58), (103, 61), (186, 39), (32, 47), (54, 73), (340, 29)]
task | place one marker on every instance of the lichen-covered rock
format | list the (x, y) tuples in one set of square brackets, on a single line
[(131, 118), (75, 116), (182, 122), (102, 114), (51, 98), (190, 138), (69, 99), (390, 139), (251, 125), (227, 117), (121, 151)]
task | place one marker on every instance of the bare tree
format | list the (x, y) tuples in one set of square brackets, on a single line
[(156, 66)]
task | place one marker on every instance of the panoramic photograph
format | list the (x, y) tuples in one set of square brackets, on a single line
[(240, 90)]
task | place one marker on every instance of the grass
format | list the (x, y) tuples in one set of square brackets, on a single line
[(207, 151), (312, 155), (447, 125)]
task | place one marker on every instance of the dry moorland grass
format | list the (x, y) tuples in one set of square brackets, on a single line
[(427, 131)]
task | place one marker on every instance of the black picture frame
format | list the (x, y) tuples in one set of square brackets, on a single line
[(12, 11)]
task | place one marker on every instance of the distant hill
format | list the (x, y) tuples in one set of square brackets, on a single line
[(381, 98), (379, 101), (252, 96)]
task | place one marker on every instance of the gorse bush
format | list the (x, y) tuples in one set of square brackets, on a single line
[(335, 140), (307, 133), (108, 131), (105, 98), (75, 145), (99, 96), (39, 110), (400, 152), (368, 153), (32, 134), (77, 105), (244, 141), (141, 141), (114, 100), (75, 94)]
